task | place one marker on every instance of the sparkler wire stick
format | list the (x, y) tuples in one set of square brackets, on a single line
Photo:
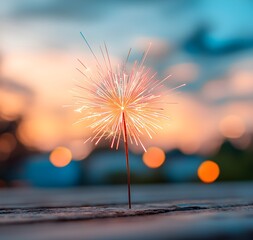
[(127, 161)]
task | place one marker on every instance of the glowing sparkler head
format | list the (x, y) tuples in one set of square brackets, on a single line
[(119, 102)]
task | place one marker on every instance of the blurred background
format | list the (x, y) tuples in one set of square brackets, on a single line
[(207, 44)]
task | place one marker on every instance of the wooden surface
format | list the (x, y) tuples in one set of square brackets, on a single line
[(185, 211)]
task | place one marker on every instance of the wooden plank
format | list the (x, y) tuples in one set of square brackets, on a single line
[(187, 211)]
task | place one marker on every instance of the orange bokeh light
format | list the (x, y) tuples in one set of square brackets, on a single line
[(208, 171), (154, 157), (60, 157)]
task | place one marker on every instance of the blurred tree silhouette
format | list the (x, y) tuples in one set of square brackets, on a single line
[(235, 164)]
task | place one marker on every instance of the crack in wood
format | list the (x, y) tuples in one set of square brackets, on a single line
[(13, 216)]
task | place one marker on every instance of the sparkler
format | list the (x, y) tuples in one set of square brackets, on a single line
[(119, 103)]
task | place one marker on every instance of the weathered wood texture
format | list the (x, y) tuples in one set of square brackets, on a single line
[(187, 211)]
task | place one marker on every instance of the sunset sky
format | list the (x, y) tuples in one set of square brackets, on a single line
[(209, 50)]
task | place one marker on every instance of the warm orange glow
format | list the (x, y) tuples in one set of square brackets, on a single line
[(189, 146), (241, 83), (208, 171), (79, 150), (232, 126), (60, 157), (11, 105), (154, 157), (38, 131)]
